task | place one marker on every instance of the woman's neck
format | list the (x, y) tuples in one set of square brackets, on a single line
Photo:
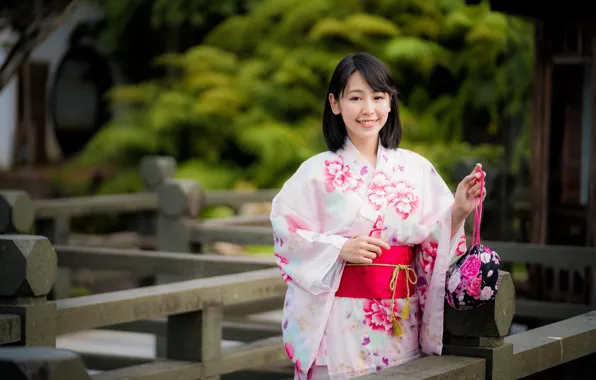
[(368, 148)]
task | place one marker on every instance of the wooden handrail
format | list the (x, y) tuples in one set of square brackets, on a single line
[(82, 313)]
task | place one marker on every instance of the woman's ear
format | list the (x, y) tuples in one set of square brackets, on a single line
[(334, 104)]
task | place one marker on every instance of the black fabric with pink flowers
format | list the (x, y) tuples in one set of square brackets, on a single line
[(473, 279)]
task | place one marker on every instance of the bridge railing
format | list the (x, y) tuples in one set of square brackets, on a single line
[(476, 342), (177, 231), (192, 311)]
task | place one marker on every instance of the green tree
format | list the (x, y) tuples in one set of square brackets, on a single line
[(245, 108)]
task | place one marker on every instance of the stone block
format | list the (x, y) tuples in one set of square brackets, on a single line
[(156, 169), (492, 320), (179, 198), (17, 211), (36, 363), (28, 266)]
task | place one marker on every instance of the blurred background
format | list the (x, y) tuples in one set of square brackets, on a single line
[(234, 91)]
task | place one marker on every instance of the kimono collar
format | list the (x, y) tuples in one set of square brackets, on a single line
[(360, 164)]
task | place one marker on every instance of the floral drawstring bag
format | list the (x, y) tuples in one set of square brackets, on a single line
[(472, 280)]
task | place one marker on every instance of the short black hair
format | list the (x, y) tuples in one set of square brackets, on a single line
[(378, 76)]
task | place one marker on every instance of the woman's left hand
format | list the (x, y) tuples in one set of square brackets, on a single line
[(467, 193)]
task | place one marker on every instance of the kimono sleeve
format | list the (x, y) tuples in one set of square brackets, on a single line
[(307, 257), (433, 257)]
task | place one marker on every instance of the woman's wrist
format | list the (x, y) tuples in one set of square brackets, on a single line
[(458, 215)]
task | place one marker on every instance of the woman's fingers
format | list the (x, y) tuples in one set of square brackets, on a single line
[(477, 193), (378, 242), (367, 254), (372, 248)]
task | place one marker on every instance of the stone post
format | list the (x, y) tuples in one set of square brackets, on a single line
[(57, 230), (178, 200), (28, 266), (154, 170), (41, 363), (480, 332), (17, 211)]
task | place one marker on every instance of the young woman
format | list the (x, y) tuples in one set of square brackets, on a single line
[(364, 235)]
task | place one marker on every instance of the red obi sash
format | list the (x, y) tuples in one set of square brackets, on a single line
[(390, 276), (385, 278)]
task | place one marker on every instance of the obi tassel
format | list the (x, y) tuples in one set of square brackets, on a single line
[(411, 278)]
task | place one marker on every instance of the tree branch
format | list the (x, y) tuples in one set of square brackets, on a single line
[(29, 39)]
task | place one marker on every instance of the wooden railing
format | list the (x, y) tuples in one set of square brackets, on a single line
[(172, 228), (220, 291), (190, 314), (192, 310)]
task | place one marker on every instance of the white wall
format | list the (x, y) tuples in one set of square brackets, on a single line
[(8, 116), (50, 51)]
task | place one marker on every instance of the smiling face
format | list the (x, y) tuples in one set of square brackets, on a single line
[(363, 110)]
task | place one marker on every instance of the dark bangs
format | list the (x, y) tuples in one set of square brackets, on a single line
[(379, 78)]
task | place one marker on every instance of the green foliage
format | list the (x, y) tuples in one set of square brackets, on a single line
[(246, 104), (166, 14)]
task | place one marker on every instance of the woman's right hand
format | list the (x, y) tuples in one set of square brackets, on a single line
[(362, 249)]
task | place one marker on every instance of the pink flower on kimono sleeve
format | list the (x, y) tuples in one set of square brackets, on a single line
[(281, 262), (289, 350), (339, 176), (428, 256), (461, 246), (403, 198), (376, 191), (377, 314), (422, 292)]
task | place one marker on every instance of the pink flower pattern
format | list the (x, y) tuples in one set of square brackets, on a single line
[(473, 287), (377, 314), (281, 262), (461, 246), (403, 197), (339, 176), (471, 267), (377, 193), (400, 195), (428, 256)]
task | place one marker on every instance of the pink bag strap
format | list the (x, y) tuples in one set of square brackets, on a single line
[(478, 213)]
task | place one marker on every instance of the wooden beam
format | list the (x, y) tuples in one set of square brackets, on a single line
[(434, 368), (139, 261), (10, 329), (200, 233), (548, 346), (83, 313)]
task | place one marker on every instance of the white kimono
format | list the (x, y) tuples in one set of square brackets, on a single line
[(331, 198)]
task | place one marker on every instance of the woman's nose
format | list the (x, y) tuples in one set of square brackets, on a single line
[(367, 107)]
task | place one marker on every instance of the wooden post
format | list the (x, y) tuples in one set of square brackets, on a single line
[(33, 363), (480, 332), (154, 170), (197, 337), (177, 199), (28, 267), (17, 211), (57, 230)]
